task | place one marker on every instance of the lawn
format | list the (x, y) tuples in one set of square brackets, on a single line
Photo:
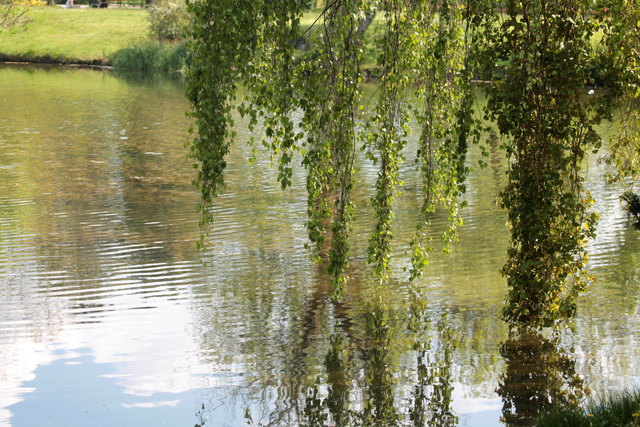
[(81, 35)]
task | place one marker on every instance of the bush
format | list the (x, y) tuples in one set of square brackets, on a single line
[(150, 56), (168, 19)]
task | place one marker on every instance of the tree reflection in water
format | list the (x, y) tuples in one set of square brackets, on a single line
[(384, 364), (396, 371), (379, 363), (539, 374)]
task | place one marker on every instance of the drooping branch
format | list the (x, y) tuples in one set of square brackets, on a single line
[(331, 100), (538, 107), (257, 47), (545, 53), (222, 45), (445, 119)]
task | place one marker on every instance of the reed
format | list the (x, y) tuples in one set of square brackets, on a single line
[(150, 56)]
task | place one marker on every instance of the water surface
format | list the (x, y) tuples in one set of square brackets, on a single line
[(109, 315)]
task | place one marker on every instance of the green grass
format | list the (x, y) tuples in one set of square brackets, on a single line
[(617, 410), (81, 35)]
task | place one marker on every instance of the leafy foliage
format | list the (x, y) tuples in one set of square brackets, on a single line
[(538, 106), (539, 53), (445, 65), (168, 19), (255, 46)]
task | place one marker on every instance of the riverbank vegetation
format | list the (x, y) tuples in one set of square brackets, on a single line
[(150, 56), (616, 410)]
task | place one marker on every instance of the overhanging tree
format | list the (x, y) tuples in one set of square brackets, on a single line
[(253, 43), (431, 47)]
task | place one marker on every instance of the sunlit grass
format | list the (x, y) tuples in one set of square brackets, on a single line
[(616, 410), (74, 35)]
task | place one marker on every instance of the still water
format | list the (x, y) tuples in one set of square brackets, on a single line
[(110, 316)]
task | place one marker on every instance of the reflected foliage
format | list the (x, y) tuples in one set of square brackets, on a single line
[(388, 394), (382, 365), (432, 395), (632, 201), (389, 368), (539, 375)]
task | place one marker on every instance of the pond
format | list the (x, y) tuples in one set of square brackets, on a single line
[(110, 316)]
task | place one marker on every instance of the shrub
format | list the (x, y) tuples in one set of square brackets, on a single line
[(150, 56), (168, 19)]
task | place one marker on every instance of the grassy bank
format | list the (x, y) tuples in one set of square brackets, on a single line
[(113, 36), (82, 35), (616, 410)]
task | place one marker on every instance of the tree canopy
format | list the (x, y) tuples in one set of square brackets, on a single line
[(538, 56)]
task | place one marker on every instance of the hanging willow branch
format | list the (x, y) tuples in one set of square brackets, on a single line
[(539, 55), (389, 128), (253, 44), (445, 119), (538, 105)]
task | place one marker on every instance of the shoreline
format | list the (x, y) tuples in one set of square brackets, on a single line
[(95, 65), (19, 59)]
